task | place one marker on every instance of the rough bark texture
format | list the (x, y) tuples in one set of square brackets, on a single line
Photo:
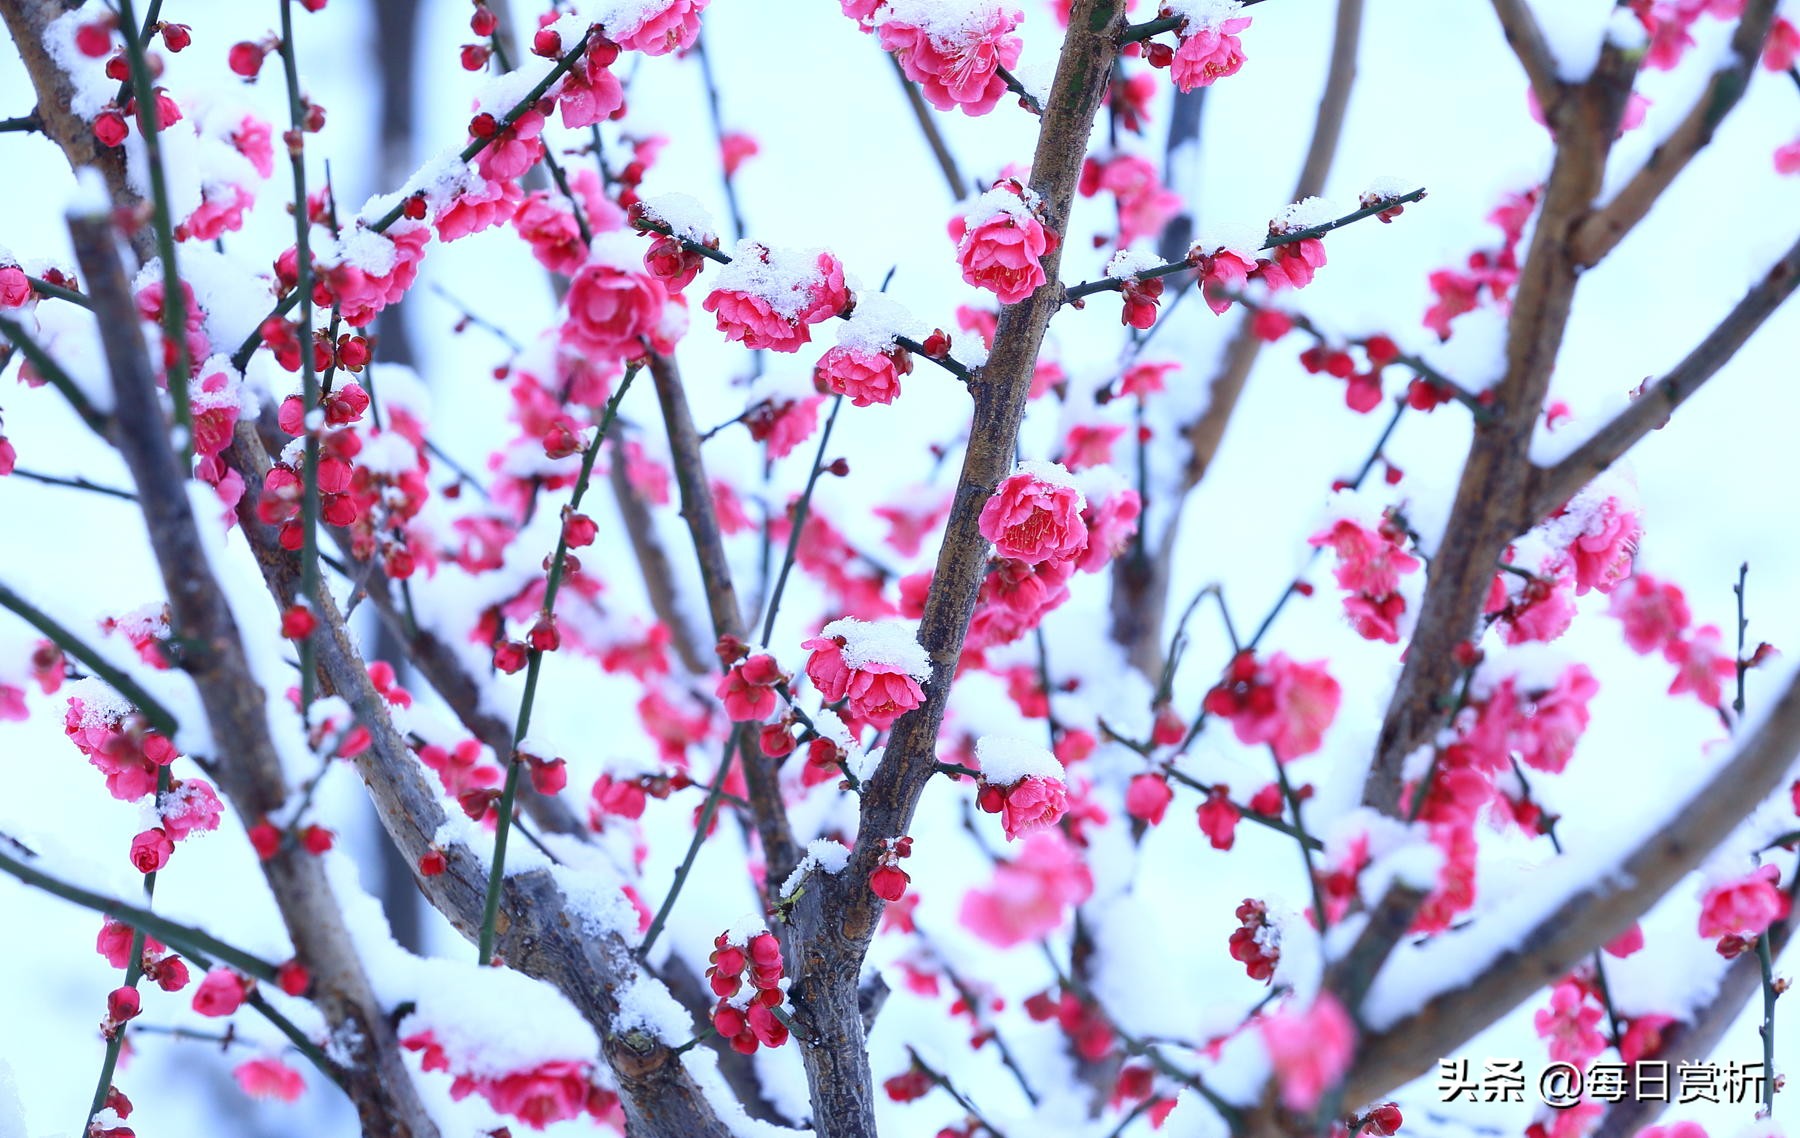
[(837, 916), (248, 768), (26, 21), (1491, 499), (1590, 918)]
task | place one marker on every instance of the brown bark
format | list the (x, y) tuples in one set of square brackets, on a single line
[(1491, 498), (248, 768)]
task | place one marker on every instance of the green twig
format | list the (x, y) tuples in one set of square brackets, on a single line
[(534, 663)]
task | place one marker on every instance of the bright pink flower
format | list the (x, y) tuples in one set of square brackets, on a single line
[(1604, 551), (221, 211), (748, 689), (1542, 612), (1546, 738), (1090, 444), (1144, 204), (1569, 1025), (362, 295), (612, 311), (783, 424), (672, 27), (866, 377), (735, 147), (955, 65), (1147, 798), (1309, 1050), (879, 691), (1218, 818), (478, 208), (1207, 54), (774, 314), (1291, 265), (15, 287), (1782, 47), (189, 807), (549, 1092), (1146, 379), (1745, 907), (1110, 527), (590, 92), (1652, 614), (221, 993), (1001, 245), (1702, 664), (619, 798), (1787, 158), (151, 849), (1030, 894), (1035, 515), (269, 1078), (1281, 702), (1032, 804), (1222, 271), (514, 150), (1642, 1040), (255, 141), (549, 227)]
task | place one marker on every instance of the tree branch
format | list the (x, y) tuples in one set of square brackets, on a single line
[(1590, 917), (836, 916), (1491, 500), (1141, 585), (1603, 229), (1527, 41), (1552, 487), (378, 1082)]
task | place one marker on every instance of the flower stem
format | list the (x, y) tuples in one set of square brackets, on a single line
[(1275, 240), (534, 663), (174, 303), (303, 288), (184, 938), (707, 811), (799, 522), (154, 713)]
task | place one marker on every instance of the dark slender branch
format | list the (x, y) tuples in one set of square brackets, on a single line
[(798, 522), (708, 810), (1029, 100), (1275, 240), (1552, 487), (1528, 43), (76, 483), (57, 292), (174, 300), (515, 765), (1601, 231), (23, 124), (934, 137), (52, 372), (183, 938), (158, 716)]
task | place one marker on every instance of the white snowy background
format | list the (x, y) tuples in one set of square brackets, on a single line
[(1440, 101)]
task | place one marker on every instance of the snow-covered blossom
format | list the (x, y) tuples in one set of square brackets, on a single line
[(1002, 241), (1035, 515)]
